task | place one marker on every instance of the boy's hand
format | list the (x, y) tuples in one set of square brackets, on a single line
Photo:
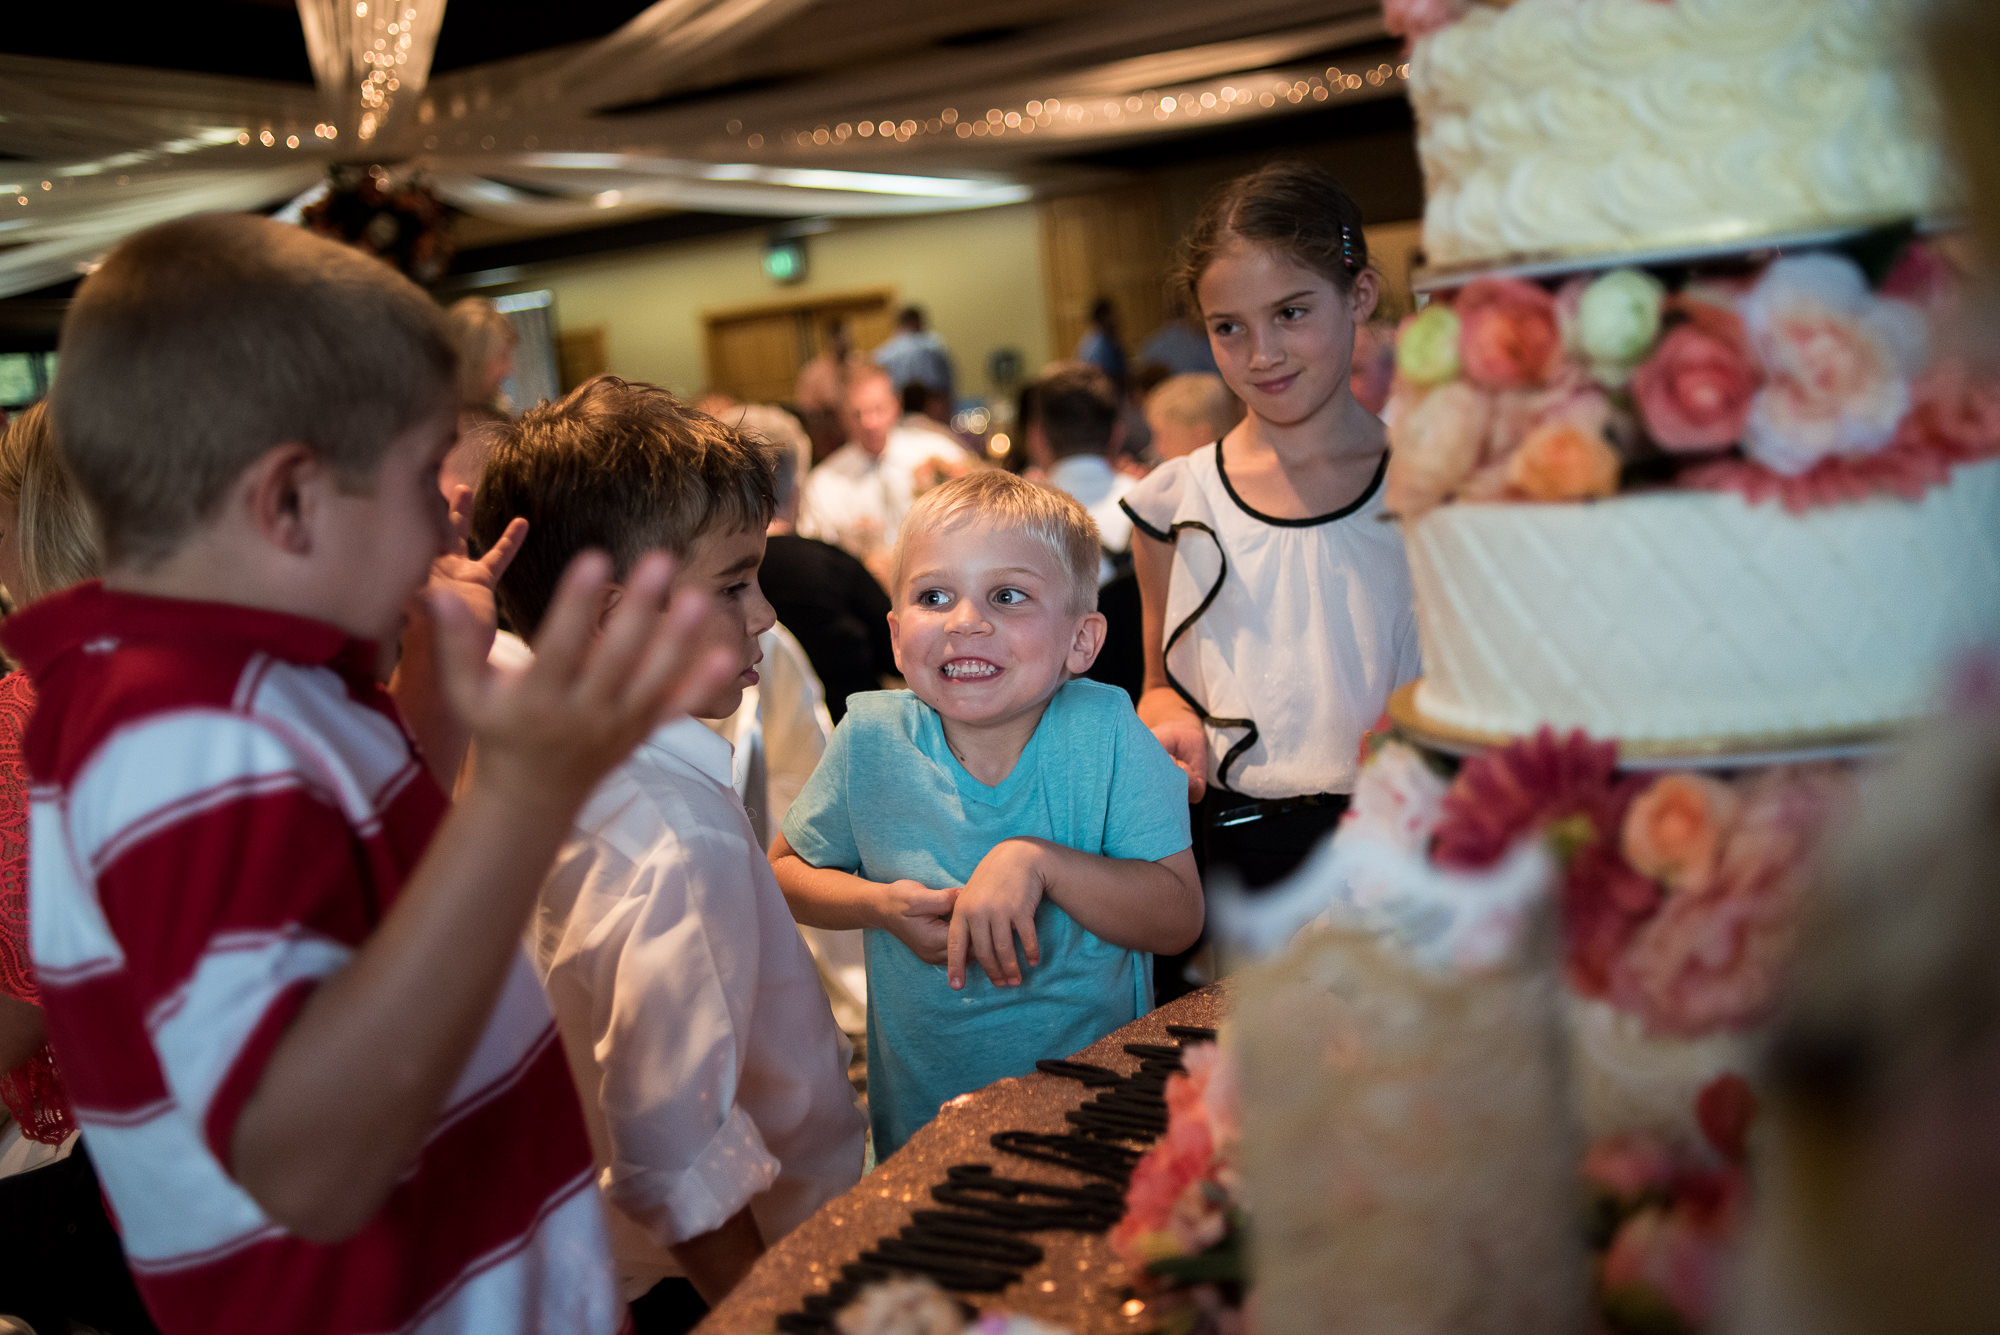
[(918, 916), (996, 905), (472, 582), (551, 730)]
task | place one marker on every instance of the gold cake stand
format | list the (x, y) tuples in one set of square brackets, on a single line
[(1737, 751)]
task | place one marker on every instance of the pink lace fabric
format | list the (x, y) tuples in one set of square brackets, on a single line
[(31, 1090)]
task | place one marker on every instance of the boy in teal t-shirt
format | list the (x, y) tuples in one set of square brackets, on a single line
[(996, 801)]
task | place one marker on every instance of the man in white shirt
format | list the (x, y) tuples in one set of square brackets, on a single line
[(857, 497), (1074, 433)]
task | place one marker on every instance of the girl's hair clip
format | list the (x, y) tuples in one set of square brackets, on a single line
[(1347, 259)]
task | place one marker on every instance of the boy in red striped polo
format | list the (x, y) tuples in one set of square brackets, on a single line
[(283, 981)]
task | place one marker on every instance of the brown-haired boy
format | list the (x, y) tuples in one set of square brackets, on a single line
[(319, 1081), (714, 1079)]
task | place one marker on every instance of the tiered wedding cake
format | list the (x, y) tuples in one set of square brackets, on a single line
[(1795, 515), (1684, 464)]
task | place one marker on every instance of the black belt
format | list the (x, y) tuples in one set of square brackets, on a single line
[(1228, 808)]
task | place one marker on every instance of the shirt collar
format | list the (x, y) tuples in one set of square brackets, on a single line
[(695, 744), (92, 614)]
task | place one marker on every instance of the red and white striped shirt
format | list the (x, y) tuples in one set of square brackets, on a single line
[(225, 805)]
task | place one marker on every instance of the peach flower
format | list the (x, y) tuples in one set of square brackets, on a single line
[(1837, 360), (1510, 336), (1694, 391), (1563, 462), (1712, 961), (1957, 412), (1398, 800), (1434, 442), (1673, 829)]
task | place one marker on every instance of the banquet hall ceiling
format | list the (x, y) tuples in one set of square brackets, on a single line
[(540, 118)]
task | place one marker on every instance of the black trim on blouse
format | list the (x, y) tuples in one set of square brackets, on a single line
[(1374, 485)]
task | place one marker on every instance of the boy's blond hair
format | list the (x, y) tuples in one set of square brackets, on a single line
[(201, 343), (622, 467), (1195, 398), (58, 540), (481, 332), (1051, 517)]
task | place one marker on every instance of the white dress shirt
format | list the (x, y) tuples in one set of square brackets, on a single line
[(1098, 487), (710, 1069), (856, 500)]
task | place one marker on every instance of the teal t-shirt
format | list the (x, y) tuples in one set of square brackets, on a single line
[(890, 802)]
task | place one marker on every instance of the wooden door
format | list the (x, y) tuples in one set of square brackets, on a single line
[(754, 353), (1109, 244)]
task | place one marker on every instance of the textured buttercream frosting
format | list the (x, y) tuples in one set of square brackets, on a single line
[(1690, 616), (1570, 127)]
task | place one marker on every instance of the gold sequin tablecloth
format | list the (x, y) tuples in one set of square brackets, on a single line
[(1079, 1285)]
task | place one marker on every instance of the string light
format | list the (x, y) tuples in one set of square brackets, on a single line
[(1252, 94)]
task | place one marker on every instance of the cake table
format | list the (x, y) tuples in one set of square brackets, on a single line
[(1079, 1285)]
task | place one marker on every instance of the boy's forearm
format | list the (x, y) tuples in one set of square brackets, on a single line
[(354, 1088), (715, 1262), (824, 897), (1150, 906)]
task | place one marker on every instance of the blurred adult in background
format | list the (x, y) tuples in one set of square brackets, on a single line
[(915, 355), (1374, 365), (826, 598), (62, 1260), (1074, 433), (485, 340), (857, 496), (1188, 412), (821, 392), (1178, 347), (1102, 345)]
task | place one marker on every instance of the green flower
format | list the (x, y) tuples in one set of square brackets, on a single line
[(1618, 317), (1427, 348)]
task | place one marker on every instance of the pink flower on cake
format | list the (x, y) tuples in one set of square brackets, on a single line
[(1837, 361), (1630, 1166), (1957, 412), (1672, 830), (1694, 392), (1711, 961), (1372, 370), (1411, 19), (1510, 337), (1671, 1254), (1398, 799), (1435, 439), (1563, 462)]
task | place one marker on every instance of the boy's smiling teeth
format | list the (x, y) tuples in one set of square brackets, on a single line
[(960, 668)]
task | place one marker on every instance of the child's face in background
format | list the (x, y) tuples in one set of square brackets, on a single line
[(722, 563), (1282, 334), (982, 628)]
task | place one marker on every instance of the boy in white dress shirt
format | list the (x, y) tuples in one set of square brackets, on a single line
[(713, 1078)]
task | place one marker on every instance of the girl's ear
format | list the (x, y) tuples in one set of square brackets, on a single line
[(1363, 294)]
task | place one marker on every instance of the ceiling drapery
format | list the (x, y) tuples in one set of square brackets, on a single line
[(596, 132)]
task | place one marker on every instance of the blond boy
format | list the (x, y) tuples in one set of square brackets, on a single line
[(997, 799), (317, 1076)]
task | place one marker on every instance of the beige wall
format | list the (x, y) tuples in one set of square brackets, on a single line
[(978, 274)]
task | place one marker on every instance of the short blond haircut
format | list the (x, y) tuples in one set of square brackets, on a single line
[(58, 539), (993, 496), (202, 343), (1196, 398)]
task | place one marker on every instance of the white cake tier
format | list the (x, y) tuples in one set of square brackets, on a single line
[(1695, 616), (1569, 127)]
